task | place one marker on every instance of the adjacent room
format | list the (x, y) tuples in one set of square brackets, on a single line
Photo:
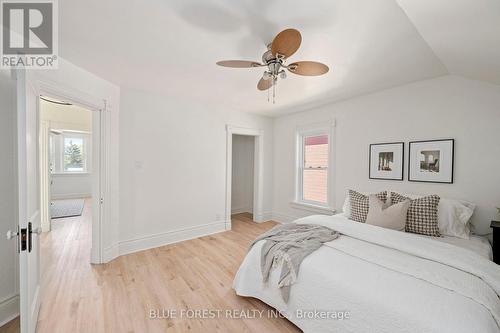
[(66, 143), (250, 166), (242, 184)]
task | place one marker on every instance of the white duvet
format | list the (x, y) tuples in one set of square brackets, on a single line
[(386, 280)]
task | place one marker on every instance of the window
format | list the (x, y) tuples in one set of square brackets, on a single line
[(313, 168), (73, 160), (70, 152)]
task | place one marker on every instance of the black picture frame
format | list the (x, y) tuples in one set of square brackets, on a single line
[(402, 144), (452, 172)]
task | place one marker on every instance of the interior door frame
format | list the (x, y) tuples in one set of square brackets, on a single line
[(100, 163), (258, 178)]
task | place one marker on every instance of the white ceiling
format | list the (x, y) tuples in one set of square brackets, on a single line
[(170, 47), (464, 34)]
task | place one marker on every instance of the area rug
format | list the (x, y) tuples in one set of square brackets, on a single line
[(66, 208)]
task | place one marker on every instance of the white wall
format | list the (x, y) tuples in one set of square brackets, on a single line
[(9, 299), (73, 118), (445, 107), (242, 182), (68, 186), (172, 168)]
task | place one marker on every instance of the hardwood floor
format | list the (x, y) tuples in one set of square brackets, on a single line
[(12, 326), (118, 296)]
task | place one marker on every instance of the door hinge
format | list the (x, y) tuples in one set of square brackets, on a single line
[(101, 200)]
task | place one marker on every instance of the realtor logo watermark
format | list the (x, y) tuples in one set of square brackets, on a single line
[(29, 34)]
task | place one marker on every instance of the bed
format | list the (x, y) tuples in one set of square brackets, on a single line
[(373, 279)]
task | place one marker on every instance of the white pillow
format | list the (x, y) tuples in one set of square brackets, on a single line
[(453, 216), (386, 215), (346, 208)]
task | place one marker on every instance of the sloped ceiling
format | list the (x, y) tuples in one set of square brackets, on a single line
[(464, 34), (170, 47)]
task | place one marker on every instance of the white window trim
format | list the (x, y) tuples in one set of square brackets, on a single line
[(311, 130), (313, 207)]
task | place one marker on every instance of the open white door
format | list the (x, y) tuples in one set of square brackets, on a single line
[(29, 200)]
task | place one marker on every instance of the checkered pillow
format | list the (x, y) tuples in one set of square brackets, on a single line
[(422, 215), (360, 204)]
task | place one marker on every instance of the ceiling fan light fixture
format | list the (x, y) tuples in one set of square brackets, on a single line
[(285, 44)]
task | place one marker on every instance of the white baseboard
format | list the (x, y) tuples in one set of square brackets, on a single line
[(240, 210), (170, 237), (110, 253), (257, 218), (283, 218), (266, 216), (9, 309), (70, 196)]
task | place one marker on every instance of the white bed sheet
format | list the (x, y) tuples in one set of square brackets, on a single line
[(478, 244), (378, 299)]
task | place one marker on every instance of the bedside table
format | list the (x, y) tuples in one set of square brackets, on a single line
[(496, 241)]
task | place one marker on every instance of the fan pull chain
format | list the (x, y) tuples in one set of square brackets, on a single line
[(268, 95), (274, 90)]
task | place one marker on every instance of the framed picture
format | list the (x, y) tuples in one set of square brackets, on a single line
[(387, 160), (431, 161)]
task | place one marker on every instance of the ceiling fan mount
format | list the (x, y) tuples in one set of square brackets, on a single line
[(285, 44)]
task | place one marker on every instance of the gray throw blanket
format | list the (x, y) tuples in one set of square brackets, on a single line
[(289, 244)]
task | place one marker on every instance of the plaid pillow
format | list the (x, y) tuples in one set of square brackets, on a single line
[(422, 215), (360, 204)]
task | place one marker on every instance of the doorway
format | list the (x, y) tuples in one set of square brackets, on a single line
[(242, 183), (65, 160), (69, 164), (244, 163)]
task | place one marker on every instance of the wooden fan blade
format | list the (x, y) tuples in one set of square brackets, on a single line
[(286, 42), (264, 84), (308, 68), (238, 63)]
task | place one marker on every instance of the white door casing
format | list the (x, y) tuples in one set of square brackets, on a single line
[(96, 253)]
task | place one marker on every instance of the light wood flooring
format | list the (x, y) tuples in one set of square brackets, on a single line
[(11, 327), (118, 296)]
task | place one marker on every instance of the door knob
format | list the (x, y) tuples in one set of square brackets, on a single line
[(11, 234)]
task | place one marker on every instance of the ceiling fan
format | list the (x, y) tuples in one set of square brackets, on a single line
[(285, 44)]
